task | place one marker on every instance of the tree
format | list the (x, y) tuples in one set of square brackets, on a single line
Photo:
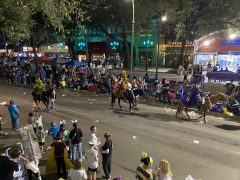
[(34, 19)]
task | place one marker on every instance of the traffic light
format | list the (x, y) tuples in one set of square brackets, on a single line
[(82, 45), (148, 43), (60, 44), (114, 44)]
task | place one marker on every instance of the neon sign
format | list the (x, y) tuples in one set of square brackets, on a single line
[(230, 43)]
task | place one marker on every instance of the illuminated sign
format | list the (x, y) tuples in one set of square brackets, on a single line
[(230, 43)]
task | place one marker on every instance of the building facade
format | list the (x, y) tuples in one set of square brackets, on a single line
[(218, 49), (94, 45)]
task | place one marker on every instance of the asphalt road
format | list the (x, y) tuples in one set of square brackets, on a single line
[(205, 151)]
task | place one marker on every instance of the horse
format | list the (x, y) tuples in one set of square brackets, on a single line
[(43, 96), (208, 103), (120, 94)]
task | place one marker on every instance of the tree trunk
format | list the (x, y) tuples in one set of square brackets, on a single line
[(181, 56), (126, 52), (32, 43)]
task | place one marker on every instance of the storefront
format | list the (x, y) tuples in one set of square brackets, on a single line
[(219, 50), (98, 51)]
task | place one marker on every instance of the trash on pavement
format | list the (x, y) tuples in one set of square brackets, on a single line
[(134, 137), (91, 100), (63, 95), (189, 177), (96, 121), (3, 103), (24, 93), (196, 141)]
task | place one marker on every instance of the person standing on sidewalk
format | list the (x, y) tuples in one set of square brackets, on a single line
[(92, 161), (106, 151), (93, 138), (14, 113), (76, 142), (52, 99), (59, 148)]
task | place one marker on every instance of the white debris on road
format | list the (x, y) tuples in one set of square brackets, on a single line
[(189, 177), (90, 101), (196, 142), (134, 137), (3, 103)]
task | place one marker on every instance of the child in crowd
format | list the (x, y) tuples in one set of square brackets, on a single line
[(163, 172), (33, 120), (41, 138), (92, 161), (78, 172), (54, 128)]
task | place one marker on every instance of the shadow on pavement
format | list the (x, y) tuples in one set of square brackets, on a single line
[(127, 113), (228, 127)]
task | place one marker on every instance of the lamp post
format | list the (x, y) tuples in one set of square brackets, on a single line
[(163, 19), (132, 44)]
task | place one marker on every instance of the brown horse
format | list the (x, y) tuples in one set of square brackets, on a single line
[(209, 101)]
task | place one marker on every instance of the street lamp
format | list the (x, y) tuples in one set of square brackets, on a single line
[(163, 19), (132, 44), (207, 43), (233, 36)]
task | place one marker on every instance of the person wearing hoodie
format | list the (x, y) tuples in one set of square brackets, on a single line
[(14, 113)]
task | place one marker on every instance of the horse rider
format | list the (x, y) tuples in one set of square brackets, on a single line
[(194, 97)]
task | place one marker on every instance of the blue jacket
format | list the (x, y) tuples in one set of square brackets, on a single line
[(13, 110), (54, 130)]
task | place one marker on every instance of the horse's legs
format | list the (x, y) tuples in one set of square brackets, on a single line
[(112, 101), (46, 103), (204, 116), (119, 100), (131, 105), (136, 102), (186, 111), (179, 110), (37, 104)]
